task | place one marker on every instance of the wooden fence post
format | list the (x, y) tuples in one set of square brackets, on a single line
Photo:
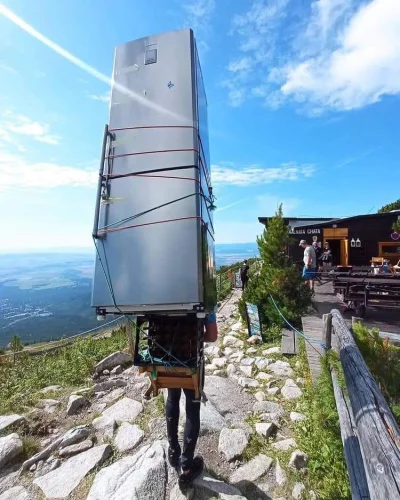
[(327, 330), (130, 323)]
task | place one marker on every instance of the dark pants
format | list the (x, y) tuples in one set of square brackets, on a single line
[(192, 426), (244, 279)]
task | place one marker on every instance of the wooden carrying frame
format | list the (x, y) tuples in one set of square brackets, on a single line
[(174, 348)]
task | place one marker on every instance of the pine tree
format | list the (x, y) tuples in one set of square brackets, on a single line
[(15, 346), (278, 278)]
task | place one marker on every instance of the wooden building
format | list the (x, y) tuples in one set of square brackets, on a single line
[(353, 240)]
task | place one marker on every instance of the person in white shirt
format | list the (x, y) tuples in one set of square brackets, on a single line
[(310, 263)]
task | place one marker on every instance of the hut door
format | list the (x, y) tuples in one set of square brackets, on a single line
[(344, 252)]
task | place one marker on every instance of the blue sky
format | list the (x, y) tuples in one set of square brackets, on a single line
[(303, 100)]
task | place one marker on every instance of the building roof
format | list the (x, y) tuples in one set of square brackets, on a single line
[(351, 219)]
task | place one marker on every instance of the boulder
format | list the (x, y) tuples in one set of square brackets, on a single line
[(16, 493), (259, 395), (128, 437), (237, 357), (269, 407), (246, 370), (112, 383), (251, 350), (48, 405), (297, 417), (51, 388), (104, 427), (230, 370), (239, 343), (251, 471), (116, 371), (281, 369), (74, 449), (125, 410), (284, 445), (298, 491), (254, 339), (219, 362), (264, 376), (10, 447), (212, 351), (75, 404), (60, 483), (298, 460), (113, 396), (229, 341), (262, 363), (229, 351), (248, 361), (273, 391), (265, 429), (232, 443), (136, 477), (272, 350), (237, 326), (290, 390), (280, 475), (42, 468), (205, 487), (248, 382), (75, 435), (11, 422), (113, 360)]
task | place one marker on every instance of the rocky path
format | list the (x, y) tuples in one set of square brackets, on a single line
[(105, 442)]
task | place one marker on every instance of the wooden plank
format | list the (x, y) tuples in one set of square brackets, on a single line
[(377, 430), (351, 445), (289, 342), (312, 328)]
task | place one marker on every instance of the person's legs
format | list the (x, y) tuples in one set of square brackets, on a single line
[(172, 414), (192, 429)]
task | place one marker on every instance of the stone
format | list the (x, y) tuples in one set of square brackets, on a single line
[(251, 471), (263, 376), (218, 373), (136, 477), (232, 443), (259, 395), (85, 391), (10, 447), (48, 405), (51, 388), (12, 421), (272, 350), (128, 437), (16, 493), (45, 467), (125, 410), (284, 445), (178, 494), (219, 362), (239, 343), (237, 326), (311, 494), (246, 370), (290, 390), (298, 491), (265, 429), (230, 370), (106, 372), (300, 381), (229, 341), (269, 407), (205, 487), (61, 482), (297, 417), (113, 360), (262, 363), (237, 357), (280, 474), (248, 361), (234, 333), (212, 351), (254, 339), (75, 404), (75, 435), (273, 391), (209, 369), (104, 427), (74, 449), (281, 368), (298, 460), (248, 382), (251, 350), (113, 396), (112, 383), (228, 351)]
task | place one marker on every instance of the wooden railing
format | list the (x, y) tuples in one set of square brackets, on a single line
[(370, 434)]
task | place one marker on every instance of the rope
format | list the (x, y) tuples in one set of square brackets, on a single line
[(301, 334)]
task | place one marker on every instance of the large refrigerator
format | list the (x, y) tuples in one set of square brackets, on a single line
[(153, 225)]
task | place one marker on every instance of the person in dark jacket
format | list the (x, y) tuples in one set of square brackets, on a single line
[(244, 276)]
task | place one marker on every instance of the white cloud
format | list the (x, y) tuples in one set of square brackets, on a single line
[(16, 171), (16, 125), (198, 15), (8, 68), (256, 175), (361, 70), (101, 97), (343, 55)]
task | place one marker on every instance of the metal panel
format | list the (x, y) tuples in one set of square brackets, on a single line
[(157, 263)]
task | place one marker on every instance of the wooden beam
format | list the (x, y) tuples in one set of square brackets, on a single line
[(289, 343), (327, 330), (130, 327), (377, 430), (351, 445)]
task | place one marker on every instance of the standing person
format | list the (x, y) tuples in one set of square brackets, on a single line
[(310, 263), (192, 466), (318, 251), (326, 255), (244, 274)]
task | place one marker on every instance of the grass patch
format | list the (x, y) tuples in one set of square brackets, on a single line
[(31, 446), (319, 435), (154, 409), (69, 366)]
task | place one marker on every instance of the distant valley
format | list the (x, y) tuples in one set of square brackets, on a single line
[(46, 296)]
